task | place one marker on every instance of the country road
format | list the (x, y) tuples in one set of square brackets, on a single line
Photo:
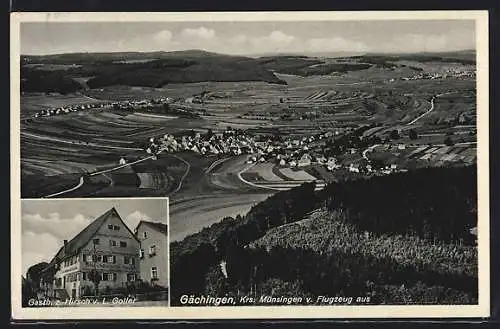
[(80, 184), (252, 184), (424, 114), (103, 172), (431, 108), (188, 168), (369, 149)]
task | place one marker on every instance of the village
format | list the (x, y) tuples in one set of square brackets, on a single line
[(351, 151), (123, 105)]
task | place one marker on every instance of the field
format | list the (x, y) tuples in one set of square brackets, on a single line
[(269, 97)]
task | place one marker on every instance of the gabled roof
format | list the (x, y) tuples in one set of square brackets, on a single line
[(81, 239), (160, 227)]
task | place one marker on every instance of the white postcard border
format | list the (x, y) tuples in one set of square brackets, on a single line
[(257, 312)]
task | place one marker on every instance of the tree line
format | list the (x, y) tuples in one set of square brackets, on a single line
[(435, 205)]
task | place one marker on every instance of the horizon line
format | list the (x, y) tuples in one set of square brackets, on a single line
[(284, 53)]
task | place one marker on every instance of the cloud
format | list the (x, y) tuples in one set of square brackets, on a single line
[(163, 36), (42, 235), (134, 218), (335, 44), (38, 247), (259, 41), (238, 40), (54, 224), (275, 40), (200, 32), (280, 37), (415, 42)]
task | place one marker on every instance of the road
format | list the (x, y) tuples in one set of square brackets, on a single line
[(252, 184), (430, 110), (188, 168), (80, 184), (369, 149)]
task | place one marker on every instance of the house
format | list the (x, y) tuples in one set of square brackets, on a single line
[(153, 254), (105, 247), (332, 164), (354, 167), (122, 161), (401, 147), (305, 160)]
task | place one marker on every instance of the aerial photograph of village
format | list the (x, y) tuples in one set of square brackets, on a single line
[(305, 162)]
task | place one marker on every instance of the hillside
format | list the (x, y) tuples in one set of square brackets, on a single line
[(52, 72), (397, 239)]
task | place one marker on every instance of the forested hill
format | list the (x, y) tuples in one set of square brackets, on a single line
[(395, 239), (55, 72)]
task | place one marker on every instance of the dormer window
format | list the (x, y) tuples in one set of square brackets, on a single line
[(145, 235)]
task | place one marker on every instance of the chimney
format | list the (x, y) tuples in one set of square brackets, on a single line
[(65, 244)]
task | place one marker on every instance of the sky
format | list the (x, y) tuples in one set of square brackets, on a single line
[(45, 224), (249, 38)]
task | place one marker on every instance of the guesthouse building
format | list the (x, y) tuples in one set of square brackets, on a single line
[(103, 254)]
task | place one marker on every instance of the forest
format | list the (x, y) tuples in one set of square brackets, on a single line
[(106, 70), (398, 239)]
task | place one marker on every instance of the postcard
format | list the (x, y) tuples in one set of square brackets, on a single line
[(250, 165)]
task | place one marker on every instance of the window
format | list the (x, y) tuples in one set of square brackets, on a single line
[(99, 258), (96, 241), (84, 276), (123, 244), (154, 272), (110, 226), (116, 228), (131, 277), (141, 253), (152, 250), (132, 260), (145, 235), (109, 276), (112, 243), (126, 260)]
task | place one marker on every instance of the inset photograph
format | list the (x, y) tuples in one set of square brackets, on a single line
[(95, 252)]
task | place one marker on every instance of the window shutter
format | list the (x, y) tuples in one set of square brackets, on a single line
[(114, 260), (115, 276)]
